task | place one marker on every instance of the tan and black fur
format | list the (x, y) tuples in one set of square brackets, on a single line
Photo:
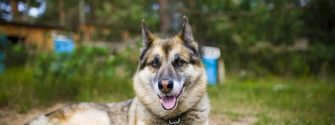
[(170, 88)]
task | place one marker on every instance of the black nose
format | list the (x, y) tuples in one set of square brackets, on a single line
[(165, 86)]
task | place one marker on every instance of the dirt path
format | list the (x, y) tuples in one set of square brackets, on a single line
[(225, 120), (10, 117)]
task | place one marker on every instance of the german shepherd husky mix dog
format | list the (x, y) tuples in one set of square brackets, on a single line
[(170, 87)]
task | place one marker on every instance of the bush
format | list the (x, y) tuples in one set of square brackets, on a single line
[(89, 73)]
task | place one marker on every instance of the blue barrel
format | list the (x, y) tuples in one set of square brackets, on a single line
[(63, 45), (2, 62), (211, 67)]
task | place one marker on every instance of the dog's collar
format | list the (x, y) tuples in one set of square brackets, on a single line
[(174, 121)]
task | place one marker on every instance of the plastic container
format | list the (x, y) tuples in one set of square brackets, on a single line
[(63, 44), (210, 59), (2, 62), (211, 70)]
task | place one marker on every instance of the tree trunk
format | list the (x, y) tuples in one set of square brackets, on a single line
[(164, 16), (61, 12), (82, 21), (15, 11), (25, 15)]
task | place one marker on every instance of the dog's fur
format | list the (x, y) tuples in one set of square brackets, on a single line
[(176, 59)]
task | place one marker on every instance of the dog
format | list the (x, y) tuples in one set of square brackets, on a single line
[(170, 87)]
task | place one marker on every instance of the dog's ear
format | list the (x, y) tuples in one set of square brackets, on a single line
[(147, 36), (187, 35), (186, 31)]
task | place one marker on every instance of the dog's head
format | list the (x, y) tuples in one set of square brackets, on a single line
[(170, 72)]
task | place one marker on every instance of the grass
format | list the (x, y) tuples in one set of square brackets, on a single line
[(89, 74), (21, 90), (276, 100), (16, 91)]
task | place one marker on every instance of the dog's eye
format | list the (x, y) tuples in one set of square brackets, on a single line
[(179, 62), (155, 63)]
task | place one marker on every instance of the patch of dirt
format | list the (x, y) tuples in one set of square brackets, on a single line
[(218, 120), (215, 119), (248, 120), (10, 117)]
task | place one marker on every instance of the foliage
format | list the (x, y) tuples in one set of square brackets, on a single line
[(320, 24), (261, 35), (88, 74), (13, 55), (255, 31), (113, 18)]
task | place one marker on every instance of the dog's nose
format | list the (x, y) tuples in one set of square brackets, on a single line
[(165, 85)]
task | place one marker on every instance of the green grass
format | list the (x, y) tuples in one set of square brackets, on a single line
[(89, 74), (276, 100), (16, 89), (21, 90)]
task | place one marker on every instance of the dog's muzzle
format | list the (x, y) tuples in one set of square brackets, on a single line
[(169, 102)]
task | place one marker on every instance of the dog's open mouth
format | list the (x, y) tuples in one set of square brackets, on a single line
[(169, 102)]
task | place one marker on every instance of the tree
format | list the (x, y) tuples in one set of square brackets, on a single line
[(164, 16), (61, 12), (15, 11)]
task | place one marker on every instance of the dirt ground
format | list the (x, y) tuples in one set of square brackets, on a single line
[(10, 117)]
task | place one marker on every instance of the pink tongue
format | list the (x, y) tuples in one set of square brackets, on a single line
[(169, 102)]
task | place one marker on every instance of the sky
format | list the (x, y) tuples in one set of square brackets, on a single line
[(22, 7)]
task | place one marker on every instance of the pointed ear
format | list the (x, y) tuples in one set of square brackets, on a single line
[(187, 35), (147, 36), (186, 31)]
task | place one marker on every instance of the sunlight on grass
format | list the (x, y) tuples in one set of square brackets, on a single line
[(275, 100)]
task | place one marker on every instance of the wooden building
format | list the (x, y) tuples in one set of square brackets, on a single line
[(30, 34)]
